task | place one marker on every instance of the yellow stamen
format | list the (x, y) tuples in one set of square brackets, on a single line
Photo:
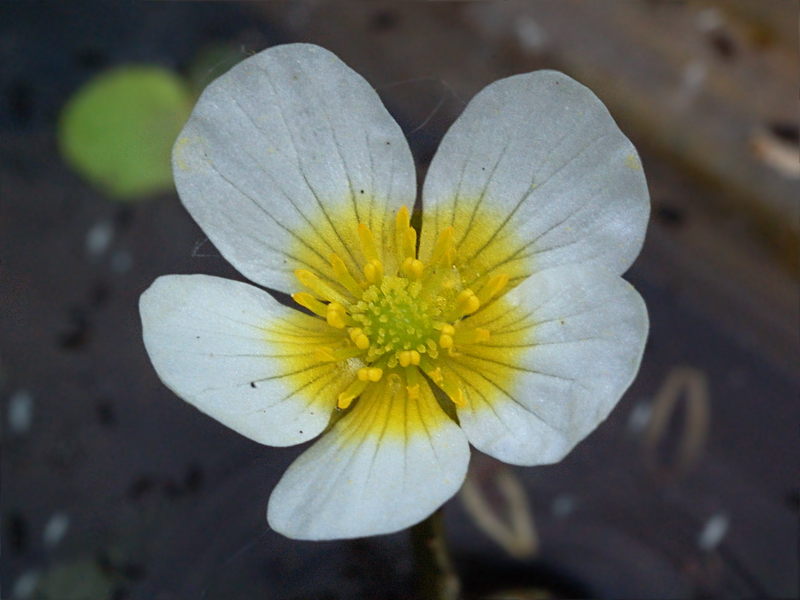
[(412, 381), (344, 277), (337, 316), (493, 287), (367, 243), (402, 221), (467, 303), (372, 374), (448, 259), (453, 390), (443, 244), (412, 268), (308, 301), (408, 357), (326, 354), (373, 271), (436, 375), (409, 244), (359, 338), (353, 391), (319, 287), (473, 336)]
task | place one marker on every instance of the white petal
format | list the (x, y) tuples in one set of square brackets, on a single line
[(385, 466), (565, 345), (239, 356), (536, 174), (283, 156)]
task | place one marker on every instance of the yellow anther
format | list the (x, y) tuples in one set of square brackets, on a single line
[(467, 303), (344, 277), (446, 341), (359, 338), (448, 329), (351, 393), (308, 301), (372, 374), (493, 287), (404, 358), (337, 316), (413, 391), (319, 287), (409, 243), (367, 243), (443, 244), (412, 268), (373, 271)]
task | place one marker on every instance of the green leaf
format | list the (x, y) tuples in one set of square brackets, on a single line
[(117, 130)]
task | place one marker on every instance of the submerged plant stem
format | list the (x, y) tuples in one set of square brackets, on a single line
[(436, 576)]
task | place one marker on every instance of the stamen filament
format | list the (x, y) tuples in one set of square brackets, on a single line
[(412, 382), (344, 277), (319, 287), (373, 271), (353, 391), (472, 336), (367, 243), (493, 287), (443, 244), (326, 354), (466, 303), (409, 244), (308, 301)]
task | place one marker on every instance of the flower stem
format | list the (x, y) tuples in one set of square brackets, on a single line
[(437, 579)]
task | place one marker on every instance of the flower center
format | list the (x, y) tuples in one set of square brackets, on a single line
[(402, 323)]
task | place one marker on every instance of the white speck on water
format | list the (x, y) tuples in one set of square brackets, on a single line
[(121, 262), (26, 584), (55, 529), (563, 505), (640, 417), (713, 531), (708, 19), (99, 238), (20, 412), (531, 36)]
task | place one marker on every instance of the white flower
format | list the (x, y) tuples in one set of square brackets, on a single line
[(509, 329)]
